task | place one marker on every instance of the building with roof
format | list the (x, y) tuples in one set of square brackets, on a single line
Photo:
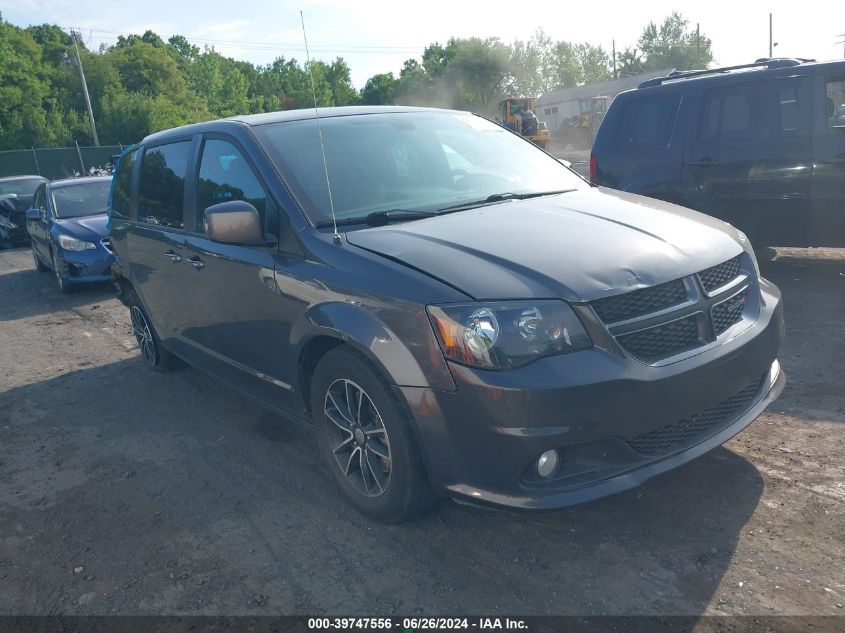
[(558, 105)]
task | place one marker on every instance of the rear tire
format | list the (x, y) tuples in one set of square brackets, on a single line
[(366, 440), (152, 351)]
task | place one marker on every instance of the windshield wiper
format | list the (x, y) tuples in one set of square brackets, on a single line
[(379, 218), (501, 197)]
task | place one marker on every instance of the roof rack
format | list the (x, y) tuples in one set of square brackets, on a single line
[(779, 62)]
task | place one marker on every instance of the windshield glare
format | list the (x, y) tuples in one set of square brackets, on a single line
[(416, 161), (74, 201), (25, 187)]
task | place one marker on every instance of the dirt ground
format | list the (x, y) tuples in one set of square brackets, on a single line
[(129, 492)]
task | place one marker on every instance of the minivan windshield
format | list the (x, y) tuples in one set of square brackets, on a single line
[(408, 161), (77, 200)]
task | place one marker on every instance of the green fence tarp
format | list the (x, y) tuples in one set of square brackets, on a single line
[(57, 162)]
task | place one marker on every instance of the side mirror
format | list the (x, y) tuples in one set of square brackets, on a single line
[(565, 162), (33, 215), (233, 222)]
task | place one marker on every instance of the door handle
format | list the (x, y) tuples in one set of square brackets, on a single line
[(196, 262), (703, 162), (174, 258)]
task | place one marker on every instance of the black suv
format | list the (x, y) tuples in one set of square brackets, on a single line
[(761, 146), (455, 310)]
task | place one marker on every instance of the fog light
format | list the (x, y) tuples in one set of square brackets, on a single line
[(547, 464)]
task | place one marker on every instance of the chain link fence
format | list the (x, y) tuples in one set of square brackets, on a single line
[(58, 162)]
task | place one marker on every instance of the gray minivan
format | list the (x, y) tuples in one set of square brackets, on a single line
[(458, 313)]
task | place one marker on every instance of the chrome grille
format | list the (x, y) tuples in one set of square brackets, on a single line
[(640, 302), (662, 341), (717, 276), (729, 311), (687, 431)]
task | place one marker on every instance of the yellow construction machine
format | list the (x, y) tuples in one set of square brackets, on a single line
[(517, 114)]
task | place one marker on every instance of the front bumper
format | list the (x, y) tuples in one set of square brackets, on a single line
[(86, 266), (599, 410)]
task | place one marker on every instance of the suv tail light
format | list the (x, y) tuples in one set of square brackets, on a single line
[(594, 167)]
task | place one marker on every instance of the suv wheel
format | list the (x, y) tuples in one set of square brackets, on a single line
[(155, 356), (366, 441), (39, 265)]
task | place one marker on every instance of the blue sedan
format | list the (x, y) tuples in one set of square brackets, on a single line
[(68, 228)]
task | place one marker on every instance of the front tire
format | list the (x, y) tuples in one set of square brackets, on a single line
[(39, 265), (61, 280), (152, 351), (366, 441)]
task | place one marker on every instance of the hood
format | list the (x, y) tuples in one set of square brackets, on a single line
[(90, 228), (577, 246)]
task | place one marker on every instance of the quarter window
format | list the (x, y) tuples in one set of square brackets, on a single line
[(225, 175), (835, 105), (647, 121), (122, 188), (162, 188)]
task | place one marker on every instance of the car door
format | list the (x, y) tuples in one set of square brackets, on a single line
[(827, 223), (156, 238), (39, 230), (750, 157), (239, 327)]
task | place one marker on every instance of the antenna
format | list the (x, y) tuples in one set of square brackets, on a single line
[(320, 130)]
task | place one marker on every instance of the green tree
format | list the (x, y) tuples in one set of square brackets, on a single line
[(527, 66), (671, 45), (379, 89)]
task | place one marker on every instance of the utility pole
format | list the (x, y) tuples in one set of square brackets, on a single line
[(698, 41), (74, 35), (843, 43), (614, 59), (770, 36)]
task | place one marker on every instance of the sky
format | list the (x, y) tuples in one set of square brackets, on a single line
[(376, 36)]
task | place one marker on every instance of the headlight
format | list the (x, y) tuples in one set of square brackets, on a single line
[(69, 243), (746, 244), (505, 334)]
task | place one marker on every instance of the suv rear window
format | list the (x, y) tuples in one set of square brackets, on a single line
[(751, 111), (647, 121), (162, 190)]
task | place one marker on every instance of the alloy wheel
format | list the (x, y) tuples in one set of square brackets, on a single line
[(357, 437), (143, 334)]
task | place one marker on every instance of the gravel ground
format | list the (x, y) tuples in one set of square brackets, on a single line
[(125, 491)]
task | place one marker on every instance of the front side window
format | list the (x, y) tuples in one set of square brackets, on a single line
[(647, 121), (162, 187), (78, 200), (835, 105), (752, 112), (225, 175), (122, 190), (414, 161)]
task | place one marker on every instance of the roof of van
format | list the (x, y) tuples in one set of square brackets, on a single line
[(785, 65)]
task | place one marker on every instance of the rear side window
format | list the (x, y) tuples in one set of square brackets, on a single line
[(835, 105), (162, 188), (225, 175), (752, 112), (647, 121), (121, 202)]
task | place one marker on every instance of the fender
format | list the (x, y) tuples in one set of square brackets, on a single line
[(367, 329)]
